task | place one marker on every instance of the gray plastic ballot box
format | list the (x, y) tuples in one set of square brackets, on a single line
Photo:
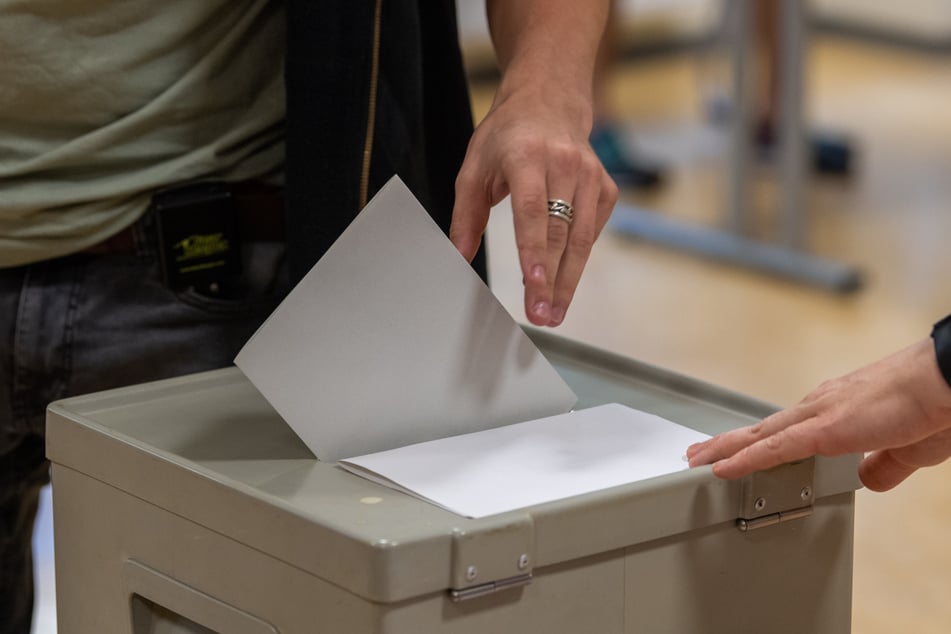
[(188, 505)]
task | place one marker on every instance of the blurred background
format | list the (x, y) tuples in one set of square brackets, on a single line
[(877, 79), (871, 204)]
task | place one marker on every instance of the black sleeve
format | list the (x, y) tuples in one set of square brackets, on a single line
[(941, 333)]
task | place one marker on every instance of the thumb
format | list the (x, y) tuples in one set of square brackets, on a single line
[(470, 216), (881, 471)]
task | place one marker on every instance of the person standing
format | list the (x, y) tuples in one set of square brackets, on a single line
[(169, 170)]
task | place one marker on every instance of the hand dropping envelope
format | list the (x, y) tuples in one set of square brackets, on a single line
[(392, 350), (392, 339)]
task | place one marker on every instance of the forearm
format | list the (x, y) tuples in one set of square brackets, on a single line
[(548, 46)]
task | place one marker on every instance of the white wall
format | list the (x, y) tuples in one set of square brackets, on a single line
[(928, 20)]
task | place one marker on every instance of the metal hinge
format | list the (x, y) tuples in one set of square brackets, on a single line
[(491, 554), (777, 495), (774, 518), (488, 588)]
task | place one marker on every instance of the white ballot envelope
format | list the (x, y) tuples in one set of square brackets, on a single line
[(393, 350), (537, 461), (393, 339)]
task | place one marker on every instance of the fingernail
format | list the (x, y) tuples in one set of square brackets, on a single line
[(557, 315), (541, 310)]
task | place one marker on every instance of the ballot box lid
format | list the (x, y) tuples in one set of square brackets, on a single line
[(210, 449)]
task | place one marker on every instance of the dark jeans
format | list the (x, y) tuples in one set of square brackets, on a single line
[(85, 323)]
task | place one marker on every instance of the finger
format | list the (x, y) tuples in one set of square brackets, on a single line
[(824, 388), (881, 471), (558, 232), (530, 214), (607, 198), (786, 445), (470, 214), (562, 180), (584, 231), (885, 469), (726, 444)]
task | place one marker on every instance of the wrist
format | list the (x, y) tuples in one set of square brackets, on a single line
[(551, 96), (941, 337)]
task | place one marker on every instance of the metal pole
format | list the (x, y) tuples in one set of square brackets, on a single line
[(792, 135), (725, 246), (783, 257), (740, 33)]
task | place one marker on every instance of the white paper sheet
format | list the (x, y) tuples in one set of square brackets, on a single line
[(533, 462), (392, 339)]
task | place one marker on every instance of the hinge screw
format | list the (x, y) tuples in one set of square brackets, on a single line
[(806, 493), (523, 562), (471, 573), (759, 504)]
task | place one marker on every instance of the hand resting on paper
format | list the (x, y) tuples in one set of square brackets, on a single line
[(898, 408)]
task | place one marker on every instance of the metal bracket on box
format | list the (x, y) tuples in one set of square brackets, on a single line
[(492, 555), (488, 588), (777, 495)]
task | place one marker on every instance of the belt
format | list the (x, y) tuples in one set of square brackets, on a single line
[(260, 215)]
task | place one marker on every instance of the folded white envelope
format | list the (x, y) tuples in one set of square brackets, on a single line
[(537, 461), (392, 339)]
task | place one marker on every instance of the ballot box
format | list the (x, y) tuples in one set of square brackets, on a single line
[(188, 505)]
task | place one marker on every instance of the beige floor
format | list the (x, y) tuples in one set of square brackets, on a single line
[(776, 340)]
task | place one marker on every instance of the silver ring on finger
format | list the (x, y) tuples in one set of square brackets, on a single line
[(562, 209)]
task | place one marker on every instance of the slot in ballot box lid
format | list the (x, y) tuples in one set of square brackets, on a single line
[(209, 448)]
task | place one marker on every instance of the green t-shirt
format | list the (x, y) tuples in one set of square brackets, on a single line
[(103, 102)]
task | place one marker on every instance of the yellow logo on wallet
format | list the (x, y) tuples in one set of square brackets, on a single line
[(201, 246)]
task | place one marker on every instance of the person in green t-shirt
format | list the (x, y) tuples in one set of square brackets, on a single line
[(136, 135)]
